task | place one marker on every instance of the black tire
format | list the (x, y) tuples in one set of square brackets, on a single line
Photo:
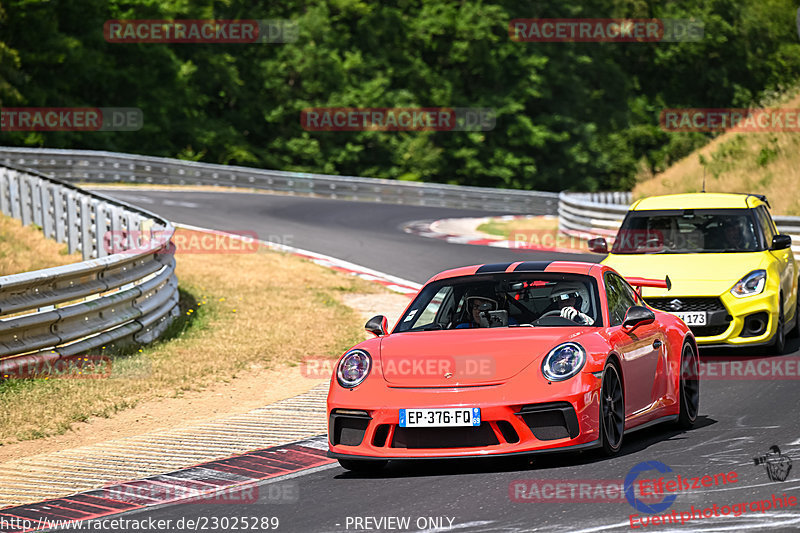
[(778, 344), (795, 332), (689, 387), (362, 466), (612, 411)]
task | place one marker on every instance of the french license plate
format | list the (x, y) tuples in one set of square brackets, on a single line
[(693, 318), (451, 417)]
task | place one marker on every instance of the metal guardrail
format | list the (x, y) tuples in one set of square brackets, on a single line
[(600, 214), (99, 167), (132, 293), (124, 289)]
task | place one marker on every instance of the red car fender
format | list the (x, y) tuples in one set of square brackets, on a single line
[(598, 347)]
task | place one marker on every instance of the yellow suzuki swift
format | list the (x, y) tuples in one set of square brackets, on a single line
[(734, 277)]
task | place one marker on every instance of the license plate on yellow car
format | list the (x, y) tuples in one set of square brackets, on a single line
[(451, 417), (693, 318)]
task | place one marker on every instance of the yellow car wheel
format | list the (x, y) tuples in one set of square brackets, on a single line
[(778, 344), (796, 329)]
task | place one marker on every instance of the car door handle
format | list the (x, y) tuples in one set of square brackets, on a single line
[(657, 344)]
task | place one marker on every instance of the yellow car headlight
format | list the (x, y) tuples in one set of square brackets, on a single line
[(752, 283)]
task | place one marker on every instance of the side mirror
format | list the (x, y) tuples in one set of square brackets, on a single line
[(598, 245), (638, 315), (377, 325), (781, 242)]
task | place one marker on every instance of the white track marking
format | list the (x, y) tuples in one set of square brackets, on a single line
[(405, 286)]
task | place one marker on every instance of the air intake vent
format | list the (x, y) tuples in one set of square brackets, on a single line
[(348, 430), (551, 421), (458, 437)]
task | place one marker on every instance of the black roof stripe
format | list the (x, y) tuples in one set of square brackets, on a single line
[(493, 267), (532, 265)]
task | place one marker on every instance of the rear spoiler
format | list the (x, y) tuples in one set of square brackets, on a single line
[(645, 282)]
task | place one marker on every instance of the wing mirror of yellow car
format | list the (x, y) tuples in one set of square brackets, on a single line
[(636, 316), (598, 245), (377, 325), (781, 242)]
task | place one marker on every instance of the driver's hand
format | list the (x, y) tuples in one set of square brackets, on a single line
[(576, 316), (569, 313)]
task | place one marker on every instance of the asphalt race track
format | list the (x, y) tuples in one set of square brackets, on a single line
[(368, 234), (739, 419)]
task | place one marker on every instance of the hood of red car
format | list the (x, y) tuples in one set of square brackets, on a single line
[(465, 357)]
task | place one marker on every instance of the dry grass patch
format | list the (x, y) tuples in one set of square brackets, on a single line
[(537, 232), (761, 163), (506, 228), (239, 312), (24, 248)]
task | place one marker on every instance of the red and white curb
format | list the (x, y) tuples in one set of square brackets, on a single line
[(431, 230), (235, 479), (393, 283)]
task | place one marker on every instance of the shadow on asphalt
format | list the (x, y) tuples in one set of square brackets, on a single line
[(739, 354)]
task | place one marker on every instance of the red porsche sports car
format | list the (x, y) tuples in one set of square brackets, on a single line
[(500, 359)]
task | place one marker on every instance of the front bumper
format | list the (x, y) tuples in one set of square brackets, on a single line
[(562, 449), (537, 418), (746, 322)]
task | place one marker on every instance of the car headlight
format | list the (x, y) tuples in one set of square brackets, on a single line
[(353, 368), (751, 284), (564, 361)]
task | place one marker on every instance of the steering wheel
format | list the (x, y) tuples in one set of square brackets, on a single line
[(554, 312)]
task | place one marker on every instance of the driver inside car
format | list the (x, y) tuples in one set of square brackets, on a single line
[(474, 304), (473, 307), (736, 235), (569, 299)]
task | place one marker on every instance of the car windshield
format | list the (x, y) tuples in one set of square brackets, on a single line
[(504, 300), (687, 231)]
